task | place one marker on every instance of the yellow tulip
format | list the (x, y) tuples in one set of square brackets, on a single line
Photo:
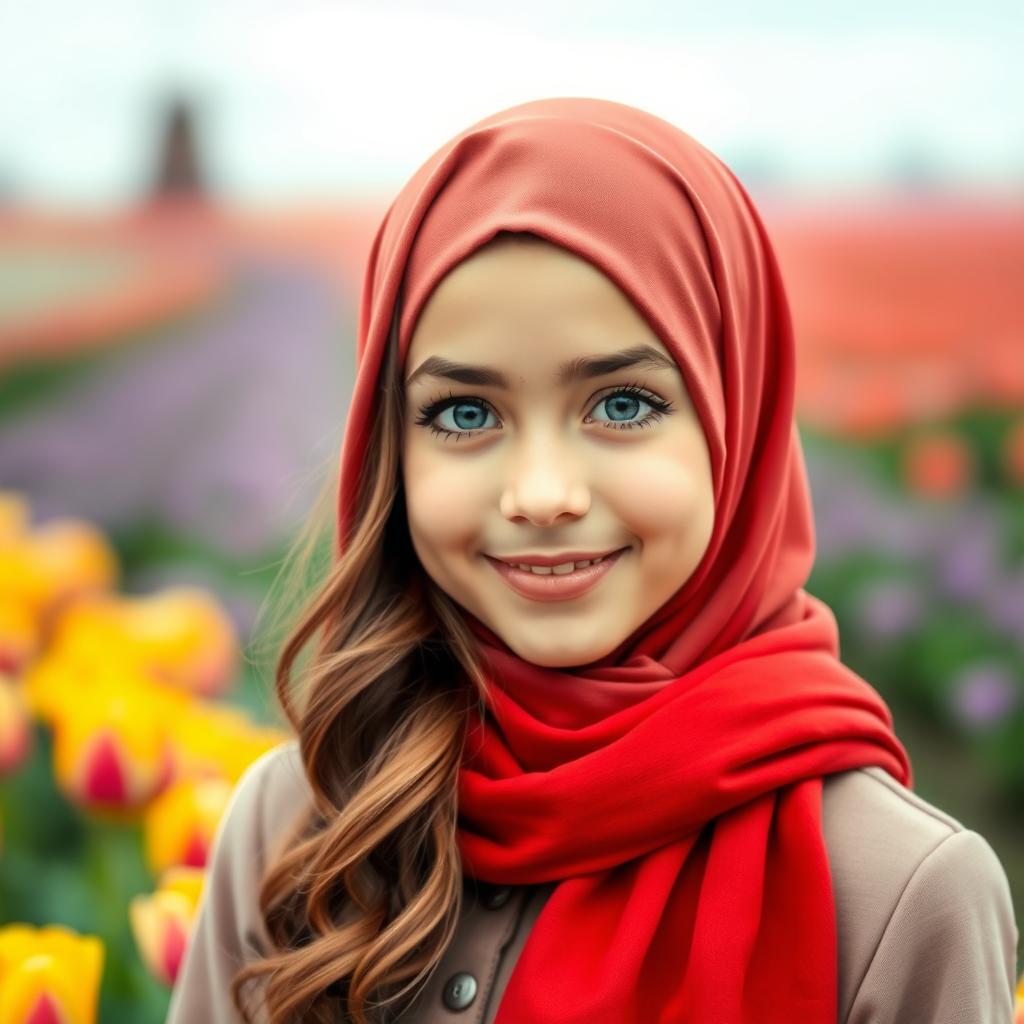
[(74, 557), (179, 824), (219, 739), (162, 921), (20, 633), (182, 634), (49, 686), (189, 637), (42, 569), (112, 749), (49, 974), (89, 627), (14, 514), (55, 562), (23, 579), (63, 677), (15, 727)]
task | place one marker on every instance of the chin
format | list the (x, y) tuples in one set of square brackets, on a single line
[(561, 657)]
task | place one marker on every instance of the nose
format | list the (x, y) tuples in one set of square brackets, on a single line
[(544, 484)]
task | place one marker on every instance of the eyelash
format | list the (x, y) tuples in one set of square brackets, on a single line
[(432, 409)]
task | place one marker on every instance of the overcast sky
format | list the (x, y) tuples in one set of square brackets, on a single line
[(311, 99)]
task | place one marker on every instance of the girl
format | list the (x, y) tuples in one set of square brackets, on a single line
[(574, 745)]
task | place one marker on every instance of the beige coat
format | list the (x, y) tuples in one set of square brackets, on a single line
[(926, 931)]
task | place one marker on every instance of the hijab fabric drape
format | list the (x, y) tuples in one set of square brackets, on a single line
[(673, 788)]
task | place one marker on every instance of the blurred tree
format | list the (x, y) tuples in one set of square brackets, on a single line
[(178, 171)]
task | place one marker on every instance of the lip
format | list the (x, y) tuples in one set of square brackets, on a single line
[(565, 556), (552, 587)]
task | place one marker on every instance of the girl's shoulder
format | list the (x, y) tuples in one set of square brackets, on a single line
[(876, 827), (268, 798), (922, 903), (880, 834)]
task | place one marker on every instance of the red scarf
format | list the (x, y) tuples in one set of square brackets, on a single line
[(674, 787)]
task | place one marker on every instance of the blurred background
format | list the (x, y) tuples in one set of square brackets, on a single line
[(187, 196)]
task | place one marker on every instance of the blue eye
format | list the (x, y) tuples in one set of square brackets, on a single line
[(622, 406), (469, 414)]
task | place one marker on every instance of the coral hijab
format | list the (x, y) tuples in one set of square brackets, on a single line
[(674, 788)]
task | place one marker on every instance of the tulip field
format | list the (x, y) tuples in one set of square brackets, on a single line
[(120, 756), (157, 455)]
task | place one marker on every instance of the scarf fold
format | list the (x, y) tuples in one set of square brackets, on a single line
[(673, 788)]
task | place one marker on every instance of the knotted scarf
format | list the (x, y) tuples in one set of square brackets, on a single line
[(673, 789)]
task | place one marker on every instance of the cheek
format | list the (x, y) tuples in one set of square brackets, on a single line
[(664, 495), (444, 500)]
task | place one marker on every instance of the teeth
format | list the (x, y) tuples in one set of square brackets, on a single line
[(557, 570)]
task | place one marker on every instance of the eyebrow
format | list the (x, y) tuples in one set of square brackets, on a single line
[(581, 368)]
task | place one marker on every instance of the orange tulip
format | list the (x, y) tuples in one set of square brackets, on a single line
[(938, 464), (48, 975), (15, 727), (179, 825), (162, 921)]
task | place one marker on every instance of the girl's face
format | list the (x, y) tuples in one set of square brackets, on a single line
[(518, 443)]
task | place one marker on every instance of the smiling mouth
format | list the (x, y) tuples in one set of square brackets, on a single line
[(560, 568), (549, 585)]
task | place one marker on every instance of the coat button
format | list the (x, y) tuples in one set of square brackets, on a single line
[(493, 898), (459, 991)]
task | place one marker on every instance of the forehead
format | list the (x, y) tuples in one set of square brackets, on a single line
[(510, 268), (523, 297)]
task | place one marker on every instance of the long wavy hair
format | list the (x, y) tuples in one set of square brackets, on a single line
[(377, 678)]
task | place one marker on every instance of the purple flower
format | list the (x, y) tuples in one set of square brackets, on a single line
[(984, 694), (889, 608), (1004, 604), (854, 513), (969, 565), (910, 531), (211, 428)]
